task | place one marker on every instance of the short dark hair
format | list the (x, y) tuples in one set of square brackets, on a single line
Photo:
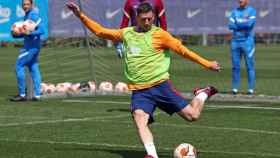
[(31, 1), (144, 8)]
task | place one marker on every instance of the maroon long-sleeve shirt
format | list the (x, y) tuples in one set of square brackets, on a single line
[(130, 13)]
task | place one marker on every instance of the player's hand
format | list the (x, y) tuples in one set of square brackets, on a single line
[(119, 49), (14, 33), (25, 30), (74, 8), (215, 66)]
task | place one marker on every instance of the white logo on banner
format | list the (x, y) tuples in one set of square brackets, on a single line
[(112, 14), (264, 13), (191, 14), (66, 14), (20, 12), (5, 14)]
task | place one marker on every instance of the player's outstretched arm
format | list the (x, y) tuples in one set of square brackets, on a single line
[(100, 31), (172, 43), (74, 8)]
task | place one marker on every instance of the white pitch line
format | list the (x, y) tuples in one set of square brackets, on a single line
[(127, 115), (137, 147), (206, 127), (207, 106), (241, 107), (64, 120), (94, 101), (222, 128), (103, 119), (25, 117)]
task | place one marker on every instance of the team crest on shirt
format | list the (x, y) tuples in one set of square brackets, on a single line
[(134, 50)]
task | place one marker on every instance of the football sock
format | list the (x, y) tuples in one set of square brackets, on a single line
[(151, 149), (202, 96)]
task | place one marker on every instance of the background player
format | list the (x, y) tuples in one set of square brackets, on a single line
[(130, 13), (241, 22), (28, 55)]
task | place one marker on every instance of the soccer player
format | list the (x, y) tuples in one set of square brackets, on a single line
[(129, 14), (28, 55), (146, 70), (241, 22)]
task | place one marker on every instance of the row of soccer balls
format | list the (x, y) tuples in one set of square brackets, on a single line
[(67, 87)]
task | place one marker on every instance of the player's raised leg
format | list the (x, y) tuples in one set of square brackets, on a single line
[(192, 111)]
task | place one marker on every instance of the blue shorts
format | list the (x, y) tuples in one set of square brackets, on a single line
[(163, 96)]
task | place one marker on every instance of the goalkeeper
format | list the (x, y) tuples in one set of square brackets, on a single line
[(130, 12), (29, 54), (146, 69)]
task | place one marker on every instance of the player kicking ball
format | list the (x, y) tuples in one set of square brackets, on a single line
[(147, 61)]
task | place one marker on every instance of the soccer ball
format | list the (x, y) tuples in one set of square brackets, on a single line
[(121, 88), (17, 27), (185, 150), (92, 86), (50, 88), (44, 87), (106, 87), (63, 87), (29, 25), (75, 88)]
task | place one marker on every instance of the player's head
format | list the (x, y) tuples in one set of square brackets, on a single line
[(27, 5), (145, 17), (243, 3)]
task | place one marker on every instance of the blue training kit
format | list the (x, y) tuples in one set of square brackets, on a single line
[(241, 22), (163, 96), (28, 55)]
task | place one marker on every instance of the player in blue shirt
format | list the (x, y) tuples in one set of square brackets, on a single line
[(241, 22), (28, 55)]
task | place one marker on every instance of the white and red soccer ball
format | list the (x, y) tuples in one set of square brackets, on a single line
[(17, 27), (29, 25), (47, 88), (121, 87), (106, 87), (63, 87), (92, 86), (185, 150)]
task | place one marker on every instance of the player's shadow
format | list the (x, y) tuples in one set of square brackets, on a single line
[(123, 153)]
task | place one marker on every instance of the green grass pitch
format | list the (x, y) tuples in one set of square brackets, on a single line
[(101, 127)]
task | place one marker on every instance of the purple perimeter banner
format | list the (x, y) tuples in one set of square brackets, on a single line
[(183, 16)]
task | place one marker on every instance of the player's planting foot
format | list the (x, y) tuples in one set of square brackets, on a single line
[(209, 90), (18, 98), (250, 92), (234, 91), (36, 99), (148, 156)]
